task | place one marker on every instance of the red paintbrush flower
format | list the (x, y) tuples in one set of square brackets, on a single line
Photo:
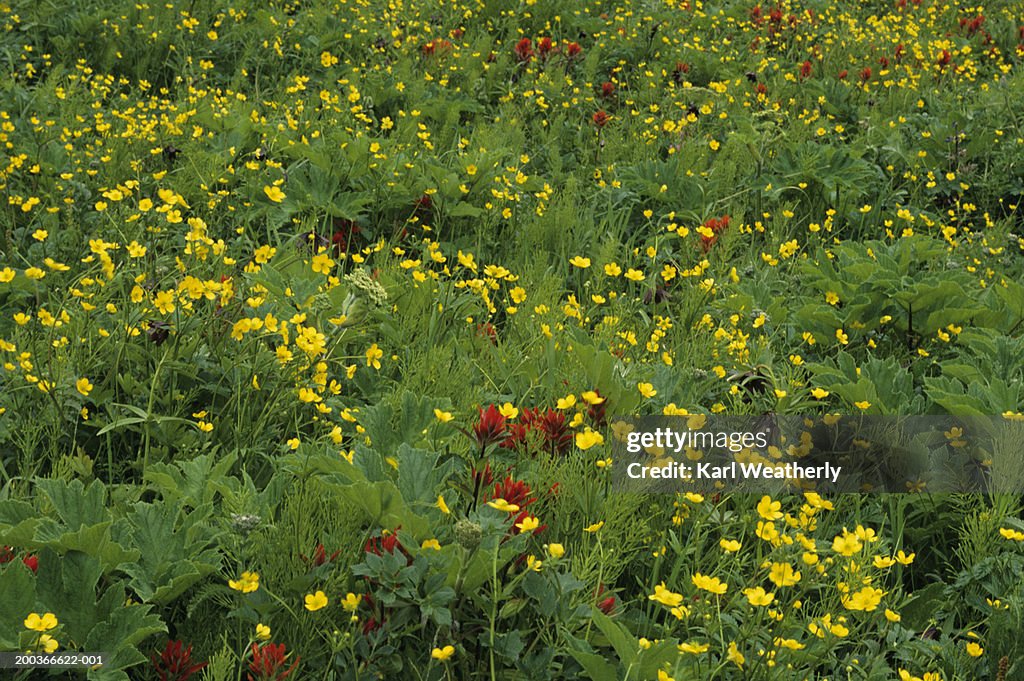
[(717, 226), (557, 435), (601, 119), (175, 662), (513, 491), (489, 428), (516, 437), (545, 47), (437, 46), (607, 89), (573, 50), (524, 50), (268, 663), (320, 556), (387, 542)]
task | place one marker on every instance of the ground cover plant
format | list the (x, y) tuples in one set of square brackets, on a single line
[(314, 317)]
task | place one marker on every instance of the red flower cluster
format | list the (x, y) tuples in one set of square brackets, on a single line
[(320, 556), (175, 662), (972, 26), (387, 542), (437, 47), (805, 69), (268, 663), (717, 226), (601, 118), (546, 48), (345, 232), (524, 50), (606, 605), (519, 493), (552, 426), (487, 331), (489, 428), (681, 69), (7, 554)]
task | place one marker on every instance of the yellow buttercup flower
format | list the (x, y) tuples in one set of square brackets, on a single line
[(758, 596), (315, 601), (1011, 534), (247, 583), (442, 654), (528, 524), (274, 193), (373, 356), (37, 622), (588, 439), (782, 574), (846, 544), (83, 386), (867, 599), (262, 632), (734, 655), (711, 584), (508, 410), (351, 602), (729, 545), (768, 509), (48, 644), (694, 648), (666, 597), (503, 506)]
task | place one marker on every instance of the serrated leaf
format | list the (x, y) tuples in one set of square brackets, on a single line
[(19, 599), (76, 504)]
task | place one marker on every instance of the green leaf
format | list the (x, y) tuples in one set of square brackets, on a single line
[(19, 599), (176, 550), (76, 504), (923, 606), (465, 210), (383, 504), (66, 586), (596, 667), (655, 658), (626, 647)]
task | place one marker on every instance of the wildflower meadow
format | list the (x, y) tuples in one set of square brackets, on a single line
[(318, 317)]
